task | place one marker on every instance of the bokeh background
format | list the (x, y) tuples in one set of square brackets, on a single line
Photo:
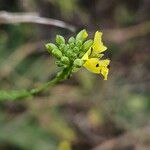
[(85, 111)]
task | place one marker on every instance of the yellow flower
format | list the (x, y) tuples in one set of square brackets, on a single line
[(94, 54)]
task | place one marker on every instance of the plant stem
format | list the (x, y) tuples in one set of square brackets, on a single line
[(22, 94)]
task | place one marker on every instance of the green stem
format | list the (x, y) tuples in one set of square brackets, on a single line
[(22, 94)]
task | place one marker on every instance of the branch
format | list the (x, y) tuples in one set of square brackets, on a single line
[(112, 35), (12, 18)]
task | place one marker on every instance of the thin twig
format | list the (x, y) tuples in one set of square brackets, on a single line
[(113, 35), (12, 18)]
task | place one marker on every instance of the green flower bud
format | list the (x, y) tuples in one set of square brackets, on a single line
[(71, 40), (71, 45), (62, 47), (50, 47), (76, 49), (87, 45), (78, 63), (73, 56), (60, 39), (65, 60), (82, 35), (68, 53), (79, 43), (66, 48), (81, 54), (57, 53)]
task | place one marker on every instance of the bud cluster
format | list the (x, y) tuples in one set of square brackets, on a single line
[(69, 53)]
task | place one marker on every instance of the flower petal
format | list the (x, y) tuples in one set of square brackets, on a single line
[(98, 66), (98, 46), (104, 72), (86, 55), (92, 65), (104, 63)]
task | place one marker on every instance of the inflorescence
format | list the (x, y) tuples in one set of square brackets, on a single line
[(78, 52)]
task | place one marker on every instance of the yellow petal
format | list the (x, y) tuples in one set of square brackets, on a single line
[(92, 65), (104, 63), (98, 46), (86, 55), (98, 66), (104, 72)]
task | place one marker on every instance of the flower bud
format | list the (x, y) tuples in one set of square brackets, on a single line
[(73, 56), (62, 47), (60, 39), (78, 63), (87, 45), (68, 53), (65, 60), (71, 40), (82, 35), (66, 48), (76, 49), (57, 53), (79, 43), (50, 47), (81, 54), (71, 45)]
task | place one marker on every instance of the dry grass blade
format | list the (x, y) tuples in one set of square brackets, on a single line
[(12, 18)]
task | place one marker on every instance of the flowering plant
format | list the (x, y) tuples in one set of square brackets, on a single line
[(71, 55)]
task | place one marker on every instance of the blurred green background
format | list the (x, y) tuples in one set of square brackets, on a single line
[(85, 111)]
